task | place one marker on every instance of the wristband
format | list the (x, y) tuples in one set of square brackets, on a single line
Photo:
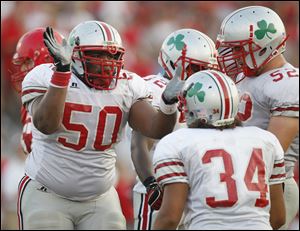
[(60, 79), (167, 109)]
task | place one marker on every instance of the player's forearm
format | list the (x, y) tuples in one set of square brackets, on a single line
[(48, 112), (140, 155), (163, 223), (277, 209), (150, 122)]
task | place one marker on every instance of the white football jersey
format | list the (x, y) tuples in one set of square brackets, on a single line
[(227, 171), (157, 84), (274, 93), (77, 161)]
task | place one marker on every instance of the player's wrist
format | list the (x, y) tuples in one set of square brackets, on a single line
[(169, 101), (60, 79), (63, 68), (167, 109)]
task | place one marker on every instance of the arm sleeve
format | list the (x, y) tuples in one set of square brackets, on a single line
[(139, 88), (168, 165), (283, 96), (36, 83)]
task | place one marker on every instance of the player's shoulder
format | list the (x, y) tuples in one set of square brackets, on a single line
[(157, 80), (129, 75), (131, 79), (134, 84), (40, 73), (151, 78), (282, 75), (255, 131), (156, 83), (176, 136)]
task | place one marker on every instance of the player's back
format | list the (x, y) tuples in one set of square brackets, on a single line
[(227, 171)]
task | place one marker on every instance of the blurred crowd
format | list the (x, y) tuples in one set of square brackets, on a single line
[(143, 25)]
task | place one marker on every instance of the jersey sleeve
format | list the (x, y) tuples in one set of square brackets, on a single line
[(168, 164), (283, 95), (36, 82), (157, 85), (278, 172), (139, 88)]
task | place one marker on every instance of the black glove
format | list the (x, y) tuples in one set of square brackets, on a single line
[(61, 53), (154, 191)]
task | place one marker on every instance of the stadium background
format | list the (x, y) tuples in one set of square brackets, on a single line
[(143, 26)]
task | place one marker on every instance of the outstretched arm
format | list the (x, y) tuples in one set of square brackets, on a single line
[(150, 122), (47, 110), (156, 124)]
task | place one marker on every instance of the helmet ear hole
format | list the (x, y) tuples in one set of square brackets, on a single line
[(262, 52)]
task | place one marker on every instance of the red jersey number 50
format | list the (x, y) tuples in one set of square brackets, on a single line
[(72, 108)]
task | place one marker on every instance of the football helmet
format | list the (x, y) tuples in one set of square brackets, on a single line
[(97, 55), (197, 49), (211, 97), (248, 39), (30, 52)]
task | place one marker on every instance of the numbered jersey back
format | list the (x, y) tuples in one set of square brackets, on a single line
[(228, 173)]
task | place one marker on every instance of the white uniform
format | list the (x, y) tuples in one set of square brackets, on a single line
[(144, 216), (26, 137), (77, 162), (274, 93), (224, 171)]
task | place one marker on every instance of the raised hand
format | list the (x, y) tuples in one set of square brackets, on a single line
[(174, 87), (61, 53)]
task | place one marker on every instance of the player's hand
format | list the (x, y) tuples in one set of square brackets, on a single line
[(174, 87), (155, 193), (61, 53)]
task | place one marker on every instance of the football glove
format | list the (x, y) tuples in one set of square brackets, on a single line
[(61, 53), (154, 192), (173, 88)]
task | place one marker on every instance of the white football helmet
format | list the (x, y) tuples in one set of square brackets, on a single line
[(211, 97), (200, 52), (248, 39), (93, 41)]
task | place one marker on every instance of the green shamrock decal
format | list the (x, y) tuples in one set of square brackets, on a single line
[(195, 91), (264, 29), (176, 42)]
